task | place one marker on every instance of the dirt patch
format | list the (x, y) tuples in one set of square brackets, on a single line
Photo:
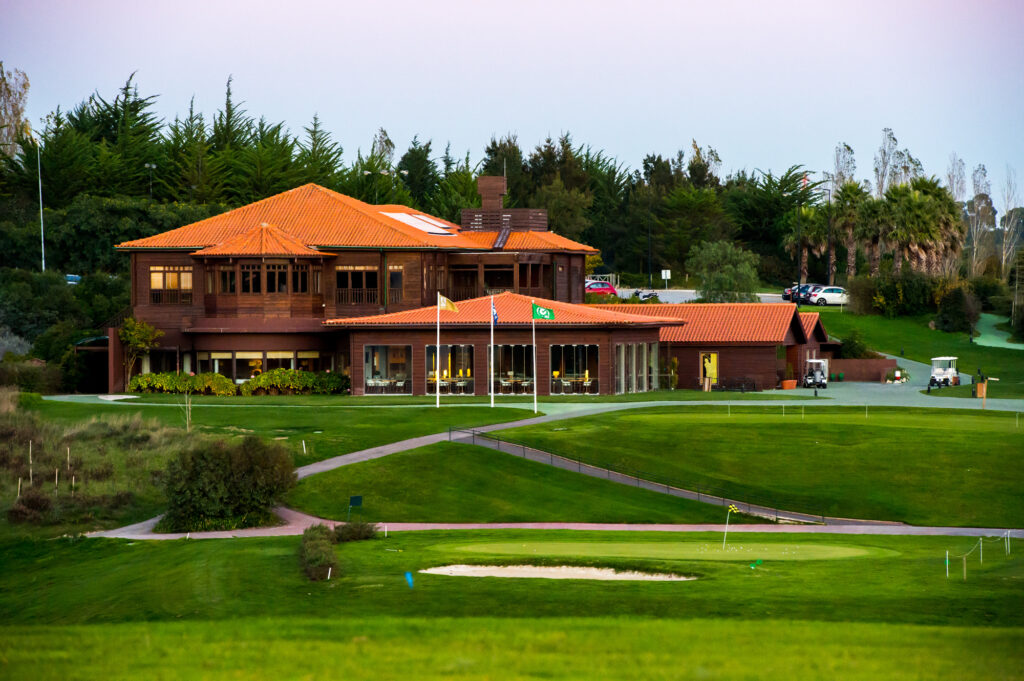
[(553, 572)]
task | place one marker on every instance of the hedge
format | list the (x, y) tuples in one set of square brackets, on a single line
[(274, 382)]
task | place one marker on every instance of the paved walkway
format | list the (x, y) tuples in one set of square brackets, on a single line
[(990, 336), (295, 523)]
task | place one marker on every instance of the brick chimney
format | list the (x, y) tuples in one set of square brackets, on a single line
[(491, 189)]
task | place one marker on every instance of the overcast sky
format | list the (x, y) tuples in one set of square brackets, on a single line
[(768, 84)]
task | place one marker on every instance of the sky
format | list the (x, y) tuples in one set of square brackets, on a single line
[(767, 84)]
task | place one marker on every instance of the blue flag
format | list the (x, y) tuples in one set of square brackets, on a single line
[(494, 312), (408, 578)]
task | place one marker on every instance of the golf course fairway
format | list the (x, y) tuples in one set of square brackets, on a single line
[(684, 550)]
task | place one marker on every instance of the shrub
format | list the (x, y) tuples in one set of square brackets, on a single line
[(959, 310), (178, 383), (911, 293), (354, 531), (226, 485), (296, 381), (1001, 305), (854, 346), (31, 376), (316, 553), (861, 293), (987, 288)]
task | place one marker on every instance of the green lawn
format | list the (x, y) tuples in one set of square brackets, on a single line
[(426, 400), (398, 649), (920, 466), (219, 609), (912, 336), (326, 432), (451, 482)]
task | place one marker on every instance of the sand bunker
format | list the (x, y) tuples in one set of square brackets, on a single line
[(552, 572)]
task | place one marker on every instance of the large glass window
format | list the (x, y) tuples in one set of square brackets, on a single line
[(277, 278), (217, 362), (387, 369), (456, 370), (635, 367), (574, 369), (310, 360), (251, 278), (356, 284), (170, 285), (513, 369), (300, 278), (280, 359)]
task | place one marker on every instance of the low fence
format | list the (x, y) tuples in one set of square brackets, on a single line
[(634, 478)]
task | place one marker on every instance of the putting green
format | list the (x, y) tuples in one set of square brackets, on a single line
[(684, 550)]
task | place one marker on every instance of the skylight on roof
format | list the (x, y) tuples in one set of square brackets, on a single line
[(420, 222)]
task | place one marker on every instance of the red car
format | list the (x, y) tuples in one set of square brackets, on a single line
[(601, 288)]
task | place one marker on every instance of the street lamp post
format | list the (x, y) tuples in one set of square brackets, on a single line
[(831, 252), (42, 229)]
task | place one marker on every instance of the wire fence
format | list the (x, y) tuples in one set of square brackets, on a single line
[(636, 478), (979, 546)]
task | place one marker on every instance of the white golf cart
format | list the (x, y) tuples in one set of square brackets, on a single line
[(944, 372), (816, 374)]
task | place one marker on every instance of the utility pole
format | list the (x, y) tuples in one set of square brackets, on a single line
[(150, 167), (42, 229), (650, 271)]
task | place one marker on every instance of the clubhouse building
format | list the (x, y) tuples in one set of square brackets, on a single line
[(312, 279)]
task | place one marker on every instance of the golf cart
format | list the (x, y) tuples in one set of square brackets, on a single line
[(816, 374), (944, 372)]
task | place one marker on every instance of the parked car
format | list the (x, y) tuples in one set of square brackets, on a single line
[(801, 293), (601, 288), (828, 295)]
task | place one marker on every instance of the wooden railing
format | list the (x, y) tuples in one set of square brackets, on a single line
[(170, 296), (462, 292), (356, 296)]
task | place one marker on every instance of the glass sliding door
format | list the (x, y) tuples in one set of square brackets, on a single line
[(513, 369), (574, 369), (456, 370), (387, 369)]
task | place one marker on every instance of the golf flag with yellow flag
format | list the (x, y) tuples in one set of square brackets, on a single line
[(732, 507), (445, 304), (543, 312)]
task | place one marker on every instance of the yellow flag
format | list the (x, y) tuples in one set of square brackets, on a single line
[(445, 304)]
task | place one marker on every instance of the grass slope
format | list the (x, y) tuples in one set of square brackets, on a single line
[(449, 482), (490, 648), (912, 336), (327, 432), (921, 466)]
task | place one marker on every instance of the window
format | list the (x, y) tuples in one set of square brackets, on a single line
[(280, 360), (309, 360), (513, 369), (300, 278), (387, 369), (316, 272), (356, 284), (170, 285), (248, 364), (251, 278), (277, 278), (211, 280), (574, 369), (217, 362), (456, 369), (395, 283), (227, 279)]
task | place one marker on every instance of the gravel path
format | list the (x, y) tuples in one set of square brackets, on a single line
[(295, 522)]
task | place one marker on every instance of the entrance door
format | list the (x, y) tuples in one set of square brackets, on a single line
[(709, 367)]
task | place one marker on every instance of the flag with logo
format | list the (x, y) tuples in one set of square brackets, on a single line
[(494, 312), (540, 312), (445, 304)]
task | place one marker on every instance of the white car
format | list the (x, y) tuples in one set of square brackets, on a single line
[(828, 295)]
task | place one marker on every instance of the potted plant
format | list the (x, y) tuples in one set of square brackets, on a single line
[(789, 383)]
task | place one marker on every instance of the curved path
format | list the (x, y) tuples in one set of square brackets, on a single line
[(295, 522)]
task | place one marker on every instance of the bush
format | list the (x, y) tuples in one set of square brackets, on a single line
[(987, 288), (959, 310), (911, 293), (1001, 305), (226, 485), (854, 346), (296, 381), (178, 383), (31, 376), (354, 531), (316, 553), (31, 507)]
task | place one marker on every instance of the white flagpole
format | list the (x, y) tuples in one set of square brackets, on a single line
[(533, 323), (490, 360), (437, 375)]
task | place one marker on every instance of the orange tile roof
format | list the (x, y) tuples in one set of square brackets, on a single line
[(262, 240), (512, 308), (530, 241), (811, 322), (319, 217), (723, 323)]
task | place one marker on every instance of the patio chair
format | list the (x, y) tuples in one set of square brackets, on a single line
[(506, 386)]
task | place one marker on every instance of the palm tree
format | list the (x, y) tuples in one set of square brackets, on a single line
[(847, 207), (872, 220), (805, 233), (949, 226), (912, 221)]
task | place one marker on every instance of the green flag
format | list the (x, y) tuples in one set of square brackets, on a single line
[(543, 312)]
